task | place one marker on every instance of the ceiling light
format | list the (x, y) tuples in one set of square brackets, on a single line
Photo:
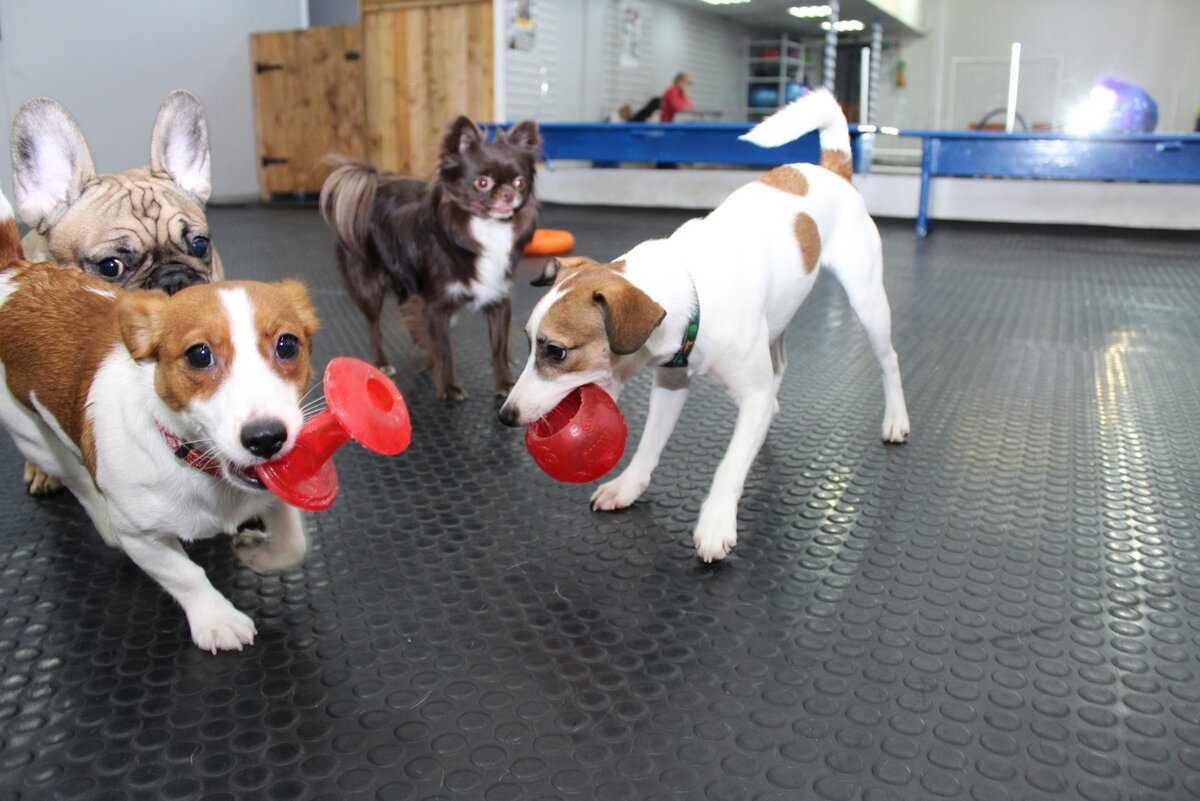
[(810, 12), (724, 2), (844, 26)]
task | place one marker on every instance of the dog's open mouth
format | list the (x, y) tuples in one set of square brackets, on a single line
[(501, 212), (244, 478)]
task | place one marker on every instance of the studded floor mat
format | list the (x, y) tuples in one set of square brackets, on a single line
[(1005, 607)]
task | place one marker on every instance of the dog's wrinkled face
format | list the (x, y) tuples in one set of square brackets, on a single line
[(232, 361), (144, 228), (135, 230), (489, 179), (578, 333)]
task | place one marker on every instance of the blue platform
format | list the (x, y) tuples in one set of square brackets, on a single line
[(1172, 158)]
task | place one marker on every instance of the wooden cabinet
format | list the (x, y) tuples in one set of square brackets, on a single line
[(384, 90), (426, 62), (308, 101)]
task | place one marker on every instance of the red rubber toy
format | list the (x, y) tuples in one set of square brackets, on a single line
[(361, 403), (581, 439)]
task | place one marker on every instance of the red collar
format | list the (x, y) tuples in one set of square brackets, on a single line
[(189, 454)]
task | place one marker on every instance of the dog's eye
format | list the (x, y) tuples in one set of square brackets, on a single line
[(287, 347), (110, 268), (518, 183), (483, 183), (199, 247), (199, 356), (555, 353)]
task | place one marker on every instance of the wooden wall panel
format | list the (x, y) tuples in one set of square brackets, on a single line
[(427, 62), (308, 101)]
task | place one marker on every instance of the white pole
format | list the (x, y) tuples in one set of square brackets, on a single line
[(831, 45), (864, 86), (1014, 70)]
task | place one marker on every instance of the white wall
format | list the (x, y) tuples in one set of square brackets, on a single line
[(577, 41), (111, 63), (1151, 42)]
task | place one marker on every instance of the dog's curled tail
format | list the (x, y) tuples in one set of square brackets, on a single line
[(816, 111), (10, 237), (346, 199)]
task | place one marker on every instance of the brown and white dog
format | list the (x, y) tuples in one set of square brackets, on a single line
[(143, 228), (157, 416), (746, 267)]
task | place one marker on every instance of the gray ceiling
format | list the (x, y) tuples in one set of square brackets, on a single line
[(771, 16)]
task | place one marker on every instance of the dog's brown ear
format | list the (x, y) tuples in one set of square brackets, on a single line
[(138, 316), (461, 137), (549, 273), (630, 316), (296, 295), (525, 136), (555, 266)]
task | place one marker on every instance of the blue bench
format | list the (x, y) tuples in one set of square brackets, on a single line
[(691, 142), (1173, 158), (1106, 157)]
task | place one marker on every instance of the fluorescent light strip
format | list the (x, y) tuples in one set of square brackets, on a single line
[(724, 2), (810, 12), (844, 26)]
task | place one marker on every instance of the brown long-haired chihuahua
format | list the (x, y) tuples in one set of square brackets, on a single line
[(438, 245)]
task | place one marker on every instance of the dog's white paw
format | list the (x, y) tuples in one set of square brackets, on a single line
[(716, 532), (217, 626), (895, 428), (619, 493)]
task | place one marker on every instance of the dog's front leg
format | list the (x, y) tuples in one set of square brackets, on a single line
[(285, 544), (667, 397), (499, 319), (750, 384), (216, 625)]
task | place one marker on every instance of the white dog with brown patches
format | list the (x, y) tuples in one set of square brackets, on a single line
[(715, 298), (155, 410)]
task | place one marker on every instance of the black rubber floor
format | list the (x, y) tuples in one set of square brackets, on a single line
[(1007, 607)]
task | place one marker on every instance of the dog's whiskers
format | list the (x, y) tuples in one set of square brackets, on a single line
[(314, 388), (313, 409)]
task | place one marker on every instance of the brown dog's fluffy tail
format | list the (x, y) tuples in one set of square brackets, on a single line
[(346, 200), (10, 237)]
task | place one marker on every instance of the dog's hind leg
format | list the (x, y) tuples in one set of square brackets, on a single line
[(667, 397), (39, 483), (499, 319), (412, 312), (283, 548), (778, 364), (858, 264), (368, 288)]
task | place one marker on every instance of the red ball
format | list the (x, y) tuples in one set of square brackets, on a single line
[(581, 438)]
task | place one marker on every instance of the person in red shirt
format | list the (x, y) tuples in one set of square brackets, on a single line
[(675, 99)]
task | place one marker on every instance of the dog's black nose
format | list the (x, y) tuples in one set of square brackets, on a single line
[(264, 437), (171, 278), (507, 415)]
